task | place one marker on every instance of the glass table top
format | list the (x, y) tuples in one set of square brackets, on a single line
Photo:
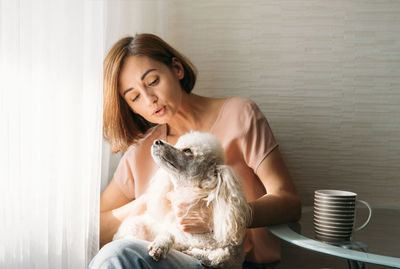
[(378, 242)]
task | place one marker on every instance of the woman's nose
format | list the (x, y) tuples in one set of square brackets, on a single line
[(150, 98)]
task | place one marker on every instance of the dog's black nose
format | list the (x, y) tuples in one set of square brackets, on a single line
[(158, 143)]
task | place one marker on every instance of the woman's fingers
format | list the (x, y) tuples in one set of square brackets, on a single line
[(195, 228), (193, 219)]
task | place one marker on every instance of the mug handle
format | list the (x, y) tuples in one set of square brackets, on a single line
[(369, 215)]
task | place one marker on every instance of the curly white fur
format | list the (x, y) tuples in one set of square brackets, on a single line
[(193, 172)]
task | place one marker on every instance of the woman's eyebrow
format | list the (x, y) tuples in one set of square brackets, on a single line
[(148, 71), (143, 76), (127, 90)]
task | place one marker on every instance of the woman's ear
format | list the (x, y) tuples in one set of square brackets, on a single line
[(177, 68)]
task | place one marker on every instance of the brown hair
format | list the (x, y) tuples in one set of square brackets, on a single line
[(121, 126)]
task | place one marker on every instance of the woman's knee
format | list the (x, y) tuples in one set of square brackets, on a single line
[(126, 253)]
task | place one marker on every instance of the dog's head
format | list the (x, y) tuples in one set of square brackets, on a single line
[(194, 157)]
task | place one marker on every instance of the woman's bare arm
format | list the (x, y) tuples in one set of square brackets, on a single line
[(281, 203), (114, 208)]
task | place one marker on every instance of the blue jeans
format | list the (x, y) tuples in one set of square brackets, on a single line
[(133, 254)]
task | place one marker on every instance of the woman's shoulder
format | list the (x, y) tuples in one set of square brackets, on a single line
[(239, 106), (239, 100), (238, 103), (236, 116)]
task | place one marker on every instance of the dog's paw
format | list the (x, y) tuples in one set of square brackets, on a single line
[(215, 258), (187, 251), (199, 254), (158, 251), (192, 252)]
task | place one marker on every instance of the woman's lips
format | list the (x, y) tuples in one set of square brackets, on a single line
[(160, 111)]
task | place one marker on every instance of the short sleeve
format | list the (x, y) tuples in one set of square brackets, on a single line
[(123, 175), (257, 140)]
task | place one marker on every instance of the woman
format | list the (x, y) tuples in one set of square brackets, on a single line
[(147, 96)]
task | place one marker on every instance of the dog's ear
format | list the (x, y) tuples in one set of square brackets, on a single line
[(231, 213)]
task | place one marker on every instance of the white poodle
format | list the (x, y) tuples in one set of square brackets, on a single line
[(192, 172)]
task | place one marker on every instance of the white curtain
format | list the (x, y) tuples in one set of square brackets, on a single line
[(51, 54)]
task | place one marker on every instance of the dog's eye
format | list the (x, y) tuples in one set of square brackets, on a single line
[(187, 151)]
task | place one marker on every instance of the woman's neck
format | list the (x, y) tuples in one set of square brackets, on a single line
[(189, 116)]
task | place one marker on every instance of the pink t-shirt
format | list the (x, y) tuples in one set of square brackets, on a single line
[(246, 138)]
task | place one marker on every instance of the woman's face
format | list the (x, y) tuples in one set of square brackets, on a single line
[(150, 88)]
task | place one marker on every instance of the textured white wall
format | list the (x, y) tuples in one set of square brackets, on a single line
[(325, 73)]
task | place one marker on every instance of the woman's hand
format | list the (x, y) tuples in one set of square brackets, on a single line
[(195, 219)]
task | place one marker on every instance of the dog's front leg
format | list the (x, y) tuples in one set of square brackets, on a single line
[(161, 245), (219, 258)]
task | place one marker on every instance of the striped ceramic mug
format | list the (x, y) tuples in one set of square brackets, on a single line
[(334, 215)]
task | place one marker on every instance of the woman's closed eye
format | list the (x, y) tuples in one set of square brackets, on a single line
[(154, 82), (135, 98)]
